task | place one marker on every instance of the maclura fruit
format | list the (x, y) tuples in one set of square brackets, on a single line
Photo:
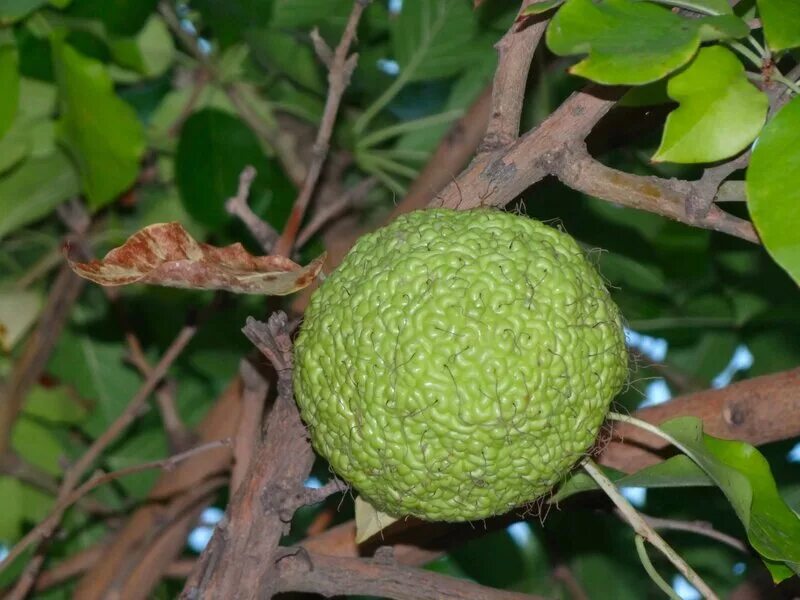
[(458, 363)]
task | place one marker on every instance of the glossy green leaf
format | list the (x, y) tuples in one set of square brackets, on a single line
[(744, 476), (433, 38), (213, 149), (781, 22), (150, 53), (34, 188), (720, 111), (540, 7), (773, 187), (677, 471), (632, 42), (100, 130), (9, 83)]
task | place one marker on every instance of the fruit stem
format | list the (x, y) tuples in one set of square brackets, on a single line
[(642, 528), (649, 427)]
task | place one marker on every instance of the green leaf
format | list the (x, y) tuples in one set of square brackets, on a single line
[(9, 83), (37, 445), (781, 22), (286, 54), (56, 405), (101, 131), (632, 42), (744, 476), (34, 188), (720, 111), (13, 10), (540, 7), (678, 471), (150, 53), (213, 149), (708, 7), (120, 17), (18, 312), (303, 14), (773, 187), (433, 38)]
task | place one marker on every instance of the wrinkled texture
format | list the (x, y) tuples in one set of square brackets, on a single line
[(165, 254), (458, 364)]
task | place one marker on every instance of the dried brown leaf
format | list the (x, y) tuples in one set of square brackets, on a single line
[(165, 254)]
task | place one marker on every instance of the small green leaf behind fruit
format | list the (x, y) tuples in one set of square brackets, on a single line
[(773, 187), (720, 111)]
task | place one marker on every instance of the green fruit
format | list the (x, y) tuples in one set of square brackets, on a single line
[(458, 363)]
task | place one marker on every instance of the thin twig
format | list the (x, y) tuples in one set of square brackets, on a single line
[(72, 476), (74, 215), (267, 131), (40, 344), (339, 74), (699, 527), (642, 528), (237, 205), (45, 528), (351, 199)]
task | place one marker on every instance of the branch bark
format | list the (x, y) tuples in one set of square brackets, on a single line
[(515, 51), (303, 571), (239, 561)]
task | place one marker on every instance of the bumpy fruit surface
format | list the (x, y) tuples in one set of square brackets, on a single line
[(458, 363)]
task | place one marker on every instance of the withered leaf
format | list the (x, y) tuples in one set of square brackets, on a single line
[(165, 254)]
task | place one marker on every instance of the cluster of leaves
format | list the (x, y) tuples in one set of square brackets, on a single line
[(720, 111), (102, 100)]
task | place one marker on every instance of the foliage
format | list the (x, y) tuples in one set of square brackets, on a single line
[(147, 112)]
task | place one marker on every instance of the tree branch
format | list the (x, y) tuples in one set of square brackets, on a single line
[(496, 178), (303, 571), (671, 198), (138, 556), (237, 205), (242, 552), (515, 51), (745, 411), (339, 72)]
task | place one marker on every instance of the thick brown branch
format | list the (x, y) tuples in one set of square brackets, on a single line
[(248, 432), (339, 73), (496, 178), (758, 411), (302, 571), (515, 51), (239, 560), (668, 197)]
